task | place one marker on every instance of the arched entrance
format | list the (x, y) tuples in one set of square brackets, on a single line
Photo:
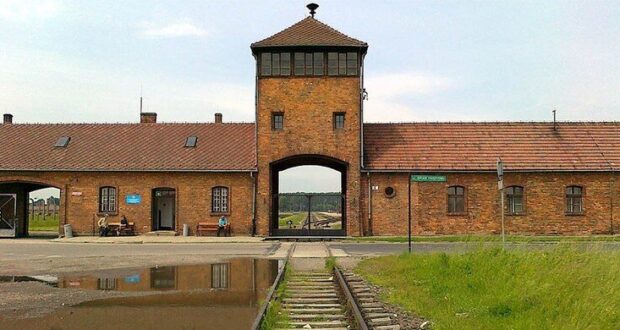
[(308, 213), (25, 213)]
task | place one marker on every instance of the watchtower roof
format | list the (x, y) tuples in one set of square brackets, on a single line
[(307, 33)]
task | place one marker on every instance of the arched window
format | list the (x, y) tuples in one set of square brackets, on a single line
[(219, 200), (456, 199), (107, 200), (514, 195), (574, 200)]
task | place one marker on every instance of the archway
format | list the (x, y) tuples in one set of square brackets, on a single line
[(308, 196), (29, 208)]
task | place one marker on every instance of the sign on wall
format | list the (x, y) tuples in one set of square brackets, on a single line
[(133, 199), (428, 178)]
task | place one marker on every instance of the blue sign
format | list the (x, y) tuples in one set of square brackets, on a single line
[(133, 199), (132, 279)]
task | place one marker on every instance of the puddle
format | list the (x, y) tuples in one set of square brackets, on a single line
[(223, 295)]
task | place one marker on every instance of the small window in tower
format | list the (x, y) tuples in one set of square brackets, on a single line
[(265, 61), (190, 142), (62, 142), (275, 64), (277, 121), (318, 64), (351, 64), (332, 64), (342, 64), (285, 64), (309, 64), (300, 64), (338, 120)]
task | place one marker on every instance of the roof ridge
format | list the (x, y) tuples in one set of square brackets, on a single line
[(130, 124), (496, 123)]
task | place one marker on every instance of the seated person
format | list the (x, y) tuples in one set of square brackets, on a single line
[(103, 226), (222, 225)]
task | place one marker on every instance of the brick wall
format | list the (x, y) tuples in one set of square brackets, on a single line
[(308, 104), (544, 205), (80, 190)]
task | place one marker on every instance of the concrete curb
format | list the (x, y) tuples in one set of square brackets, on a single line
[(156, 240)]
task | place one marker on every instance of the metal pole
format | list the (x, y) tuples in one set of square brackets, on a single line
[(409, 211), (501, 191)]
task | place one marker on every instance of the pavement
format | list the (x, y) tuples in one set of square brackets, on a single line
[(158, 239)]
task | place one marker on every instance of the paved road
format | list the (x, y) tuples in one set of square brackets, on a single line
[(25, 249)]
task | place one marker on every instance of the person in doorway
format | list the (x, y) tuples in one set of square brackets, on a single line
[(222, 225), (103, 226)]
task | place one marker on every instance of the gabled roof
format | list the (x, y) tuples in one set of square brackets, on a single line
[(428, 147), (309, 32), (128, 147)]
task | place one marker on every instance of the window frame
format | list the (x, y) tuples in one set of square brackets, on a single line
[(274, 115), (100, 200), (450, 196), (336, 121), (572, 196), (220, 189), (509, 207)]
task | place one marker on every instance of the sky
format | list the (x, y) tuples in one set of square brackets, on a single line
[(89, 61)]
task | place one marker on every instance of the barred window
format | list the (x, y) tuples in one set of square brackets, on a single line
[(514, 194), (107, 199), (219, 197), (456, 199), (574, 200)]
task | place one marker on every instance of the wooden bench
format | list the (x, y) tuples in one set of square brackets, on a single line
[(204, 228), (119, 229)]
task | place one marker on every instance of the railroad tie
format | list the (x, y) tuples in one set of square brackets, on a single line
[(374, 312)]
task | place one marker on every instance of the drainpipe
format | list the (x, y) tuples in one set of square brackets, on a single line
[(409, 210), (253, 203), (369, 204), (612, 187)]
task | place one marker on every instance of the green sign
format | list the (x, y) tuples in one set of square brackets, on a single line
[(428, 178)]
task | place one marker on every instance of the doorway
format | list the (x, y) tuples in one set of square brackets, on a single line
[(164, 208)]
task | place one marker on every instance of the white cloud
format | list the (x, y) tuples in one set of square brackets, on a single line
[(25, 10), (387, 92), (173, 30)]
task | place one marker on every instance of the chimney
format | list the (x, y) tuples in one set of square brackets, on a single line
[(148, 118), (218, 118), (8, 119)]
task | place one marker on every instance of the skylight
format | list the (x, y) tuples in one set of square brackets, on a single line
[(191, 142), (62, 142)]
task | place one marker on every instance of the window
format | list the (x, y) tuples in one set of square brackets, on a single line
[(107, 200), (300, 64), (514, 194), (106, 283), (309, 64), (332, 64), (277, 121), (456, 199), (62, 142), (318, 64), (389, 192), (219, 200), (265, 61), (275, 64), (190, 142), (338, 120), (342, 64), (351, 64), (574, 200), (219, 276)]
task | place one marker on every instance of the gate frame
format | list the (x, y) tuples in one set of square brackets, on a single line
[(15, 219)]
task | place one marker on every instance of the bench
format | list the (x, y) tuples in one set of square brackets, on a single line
[(204, 228), (119, 229)]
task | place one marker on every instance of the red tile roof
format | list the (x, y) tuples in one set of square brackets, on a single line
[(309, 32), (123, 147), (476, 146)]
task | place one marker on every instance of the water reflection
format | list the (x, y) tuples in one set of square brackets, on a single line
[(222, 295)]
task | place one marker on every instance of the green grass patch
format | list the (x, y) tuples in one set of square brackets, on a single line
[(330, 264), (489, 238), (36, 223), (275, 316), (297, 219), (561, 288)]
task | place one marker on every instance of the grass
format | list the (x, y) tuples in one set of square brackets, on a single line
[(296, 218), (489, 238), (562, 288), (330, 264), (275, 317), (37, 223)]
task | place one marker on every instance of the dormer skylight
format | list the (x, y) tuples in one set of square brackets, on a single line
[(190, 142), (62, 142)]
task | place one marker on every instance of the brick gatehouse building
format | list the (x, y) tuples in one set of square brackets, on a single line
[(559, 179)]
